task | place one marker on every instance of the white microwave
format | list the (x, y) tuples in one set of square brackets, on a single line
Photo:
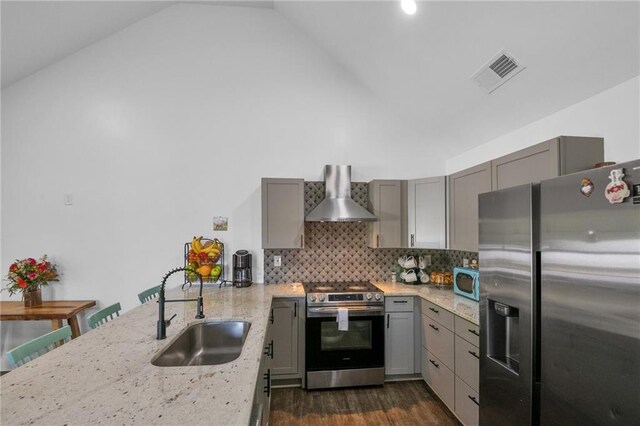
[(466, 282)]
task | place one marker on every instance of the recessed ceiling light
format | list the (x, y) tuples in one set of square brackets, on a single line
[(409, 6)]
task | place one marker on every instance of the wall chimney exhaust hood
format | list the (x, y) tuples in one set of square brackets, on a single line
[(337, 205)]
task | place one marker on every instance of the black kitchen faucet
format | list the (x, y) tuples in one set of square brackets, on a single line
[(162, 323)]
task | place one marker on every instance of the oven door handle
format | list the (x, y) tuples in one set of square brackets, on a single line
[(353, 311)]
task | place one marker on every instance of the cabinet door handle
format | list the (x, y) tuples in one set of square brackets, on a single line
[(400, 301), (301, 240), (267, 377), (295, 309), (474, 399), (378, 241), (474, 354), (412, 240), (268, 350), (435, 310), (271, 316), (434, 363), (434, 327), (388, 320), (472, 331)]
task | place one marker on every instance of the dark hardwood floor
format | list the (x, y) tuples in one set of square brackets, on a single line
[(396, 403)]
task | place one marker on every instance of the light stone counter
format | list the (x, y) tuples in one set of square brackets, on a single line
[(445, 298), (105, 376)]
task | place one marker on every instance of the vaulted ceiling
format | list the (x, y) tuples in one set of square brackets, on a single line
[(419, 65)]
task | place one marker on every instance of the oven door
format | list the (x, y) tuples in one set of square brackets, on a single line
[(362, 346)]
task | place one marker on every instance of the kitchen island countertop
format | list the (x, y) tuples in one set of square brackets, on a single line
[(105, 375)]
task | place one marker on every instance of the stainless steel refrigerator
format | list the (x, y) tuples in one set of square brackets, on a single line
[(560, 300)]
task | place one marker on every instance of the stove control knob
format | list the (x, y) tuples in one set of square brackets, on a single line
[(378, 297), (321, 298), (369, 296), (312, 298)]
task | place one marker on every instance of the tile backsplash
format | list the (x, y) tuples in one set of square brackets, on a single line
[(338, 251)]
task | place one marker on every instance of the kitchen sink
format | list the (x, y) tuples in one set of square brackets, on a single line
[(204, 343)]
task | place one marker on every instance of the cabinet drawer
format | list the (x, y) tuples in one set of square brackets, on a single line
[(438, 340), (467, 403), (398, 304), (468, 331), (439, 314), (438, 377), (467, 362)]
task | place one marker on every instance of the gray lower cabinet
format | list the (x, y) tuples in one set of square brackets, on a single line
[(385, 200), (555, 157), (286, 327), (426, 213), (464, 188), (450, 360), (399, 339), (282, 213), (262, 395)]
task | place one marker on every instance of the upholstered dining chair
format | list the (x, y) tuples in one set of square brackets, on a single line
[(105, 315), (149, 294), (39, 346)]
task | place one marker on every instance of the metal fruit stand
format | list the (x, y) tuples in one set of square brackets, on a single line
[(219, 261)]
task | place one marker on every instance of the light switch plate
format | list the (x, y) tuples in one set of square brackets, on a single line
[(465, 262), (277, 261), (427, 260)]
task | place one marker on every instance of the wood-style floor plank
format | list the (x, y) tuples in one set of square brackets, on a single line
[(399, 404)]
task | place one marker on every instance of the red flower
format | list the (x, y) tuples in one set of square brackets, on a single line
[(22, 283), (31, 261), (32, 275), (13, 267), (42, 266)]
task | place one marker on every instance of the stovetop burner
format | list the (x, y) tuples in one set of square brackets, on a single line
[(343, 294), (340, 287)]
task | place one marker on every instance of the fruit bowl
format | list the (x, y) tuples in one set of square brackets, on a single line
[(204, 257)]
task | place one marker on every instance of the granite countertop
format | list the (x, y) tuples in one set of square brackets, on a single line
[(445, 298), (105, 375)]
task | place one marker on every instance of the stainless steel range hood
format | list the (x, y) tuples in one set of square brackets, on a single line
[(338, 205)]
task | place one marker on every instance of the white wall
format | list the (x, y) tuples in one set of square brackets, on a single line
[(166, 124), (613, 114)]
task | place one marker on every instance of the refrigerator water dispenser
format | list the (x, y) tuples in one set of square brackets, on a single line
[(504, 335)]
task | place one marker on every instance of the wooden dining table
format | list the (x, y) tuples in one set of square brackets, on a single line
[(54, 310)]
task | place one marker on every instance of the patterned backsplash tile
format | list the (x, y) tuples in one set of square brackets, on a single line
[(338, 251)]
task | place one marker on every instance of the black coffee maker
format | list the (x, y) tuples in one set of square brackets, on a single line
[(242, 268)]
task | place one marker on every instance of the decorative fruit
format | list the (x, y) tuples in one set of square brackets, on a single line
[(216, 271), (192, 276), (204, 270)]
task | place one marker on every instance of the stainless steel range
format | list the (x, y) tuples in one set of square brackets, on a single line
[(344, 335)]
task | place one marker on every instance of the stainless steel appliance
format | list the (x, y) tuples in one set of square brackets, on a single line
[(337, 205), (242, 268), (560, 301), (337, 358), (466, 282)]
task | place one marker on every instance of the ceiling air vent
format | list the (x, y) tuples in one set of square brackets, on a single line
[(497, 71)]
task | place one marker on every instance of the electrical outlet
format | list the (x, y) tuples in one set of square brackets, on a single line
[(277, 261), (465, 262), (68, 199), (427, 260)]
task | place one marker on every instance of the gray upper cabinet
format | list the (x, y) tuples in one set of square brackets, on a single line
[(282, 213), (555, 157), (464, 188), (386, 202), (426, 211)]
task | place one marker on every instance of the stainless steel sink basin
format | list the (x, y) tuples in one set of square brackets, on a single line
[(204, 343)]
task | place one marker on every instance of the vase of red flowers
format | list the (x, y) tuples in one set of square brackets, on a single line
[(28, 276)]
